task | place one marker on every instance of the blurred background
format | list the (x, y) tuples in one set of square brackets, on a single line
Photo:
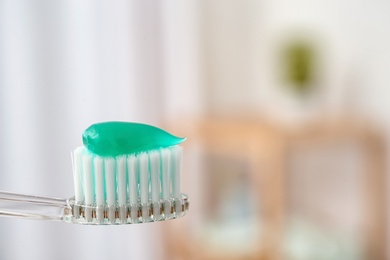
[(284, 103)]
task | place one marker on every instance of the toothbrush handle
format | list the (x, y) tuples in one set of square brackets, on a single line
[(32, 207)]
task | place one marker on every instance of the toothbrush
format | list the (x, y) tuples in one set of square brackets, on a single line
[(125, 173)]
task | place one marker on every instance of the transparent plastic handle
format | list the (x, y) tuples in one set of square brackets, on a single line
[(34, 207), (67, 210)]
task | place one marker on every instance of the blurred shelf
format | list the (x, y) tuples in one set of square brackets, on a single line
[(266, 149)]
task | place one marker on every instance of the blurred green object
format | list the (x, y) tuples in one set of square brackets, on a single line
[(298, 65)]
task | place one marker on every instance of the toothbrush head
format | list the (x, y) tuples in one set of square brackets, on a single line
[(126, 173)]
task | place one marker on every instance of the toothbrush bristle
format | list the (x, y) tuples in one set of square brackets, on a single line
[(128, 188)]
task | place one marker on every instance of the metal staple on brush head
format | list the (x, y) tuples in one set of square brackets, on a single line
[(78, 213)]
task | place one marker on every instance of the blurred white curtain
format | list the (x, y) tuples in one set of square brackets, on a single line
[(63, 66)]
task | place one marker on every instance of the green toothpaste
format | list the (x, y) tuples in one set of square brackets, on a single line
[(118, 138)]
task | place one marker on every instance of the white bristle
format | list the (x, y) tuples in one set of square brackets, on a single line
[(99, 180), (154, 163), (147, 177), (132, 178), (76, 159), (165, 172), (143, 177), (176, 170), (122, 183), (88, 179), (109, 172)]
